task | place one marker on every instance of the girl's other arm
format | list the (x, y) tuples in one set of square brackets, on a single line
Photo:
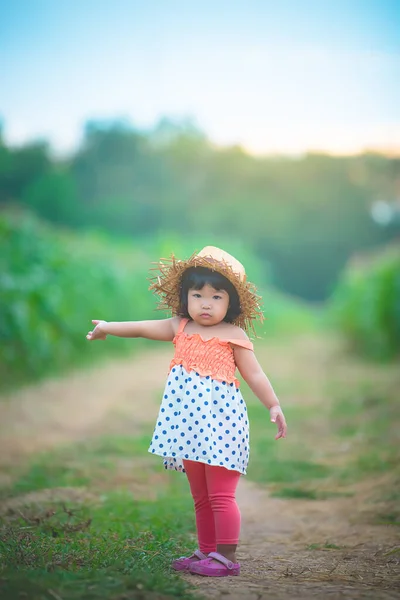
[(251, 371), (162, 329)]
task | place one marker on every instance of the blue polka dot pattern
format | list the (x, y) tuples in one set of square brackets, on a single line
[(185, 409)]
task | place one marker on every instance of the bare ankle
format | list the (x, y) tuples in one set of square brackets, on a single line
[(228, 550), (231, 557)]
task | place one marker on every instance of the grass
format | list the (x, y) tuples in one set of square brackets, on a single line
[(95, 463), (294, 492), (349, 436), (107, 545), (388, 519), (367, 416), (288, 467), (96, 551), (326, 546), (309, 494)]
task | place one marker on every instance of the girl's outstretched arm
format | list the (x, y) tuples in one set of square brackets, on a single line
[(251, 371), (161, 329)]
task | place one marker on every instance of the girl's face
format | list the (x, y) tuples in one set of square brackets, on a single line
[(207, 306)]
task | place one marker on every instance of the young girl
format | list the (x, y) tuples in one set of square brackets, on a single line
[(202, 428)]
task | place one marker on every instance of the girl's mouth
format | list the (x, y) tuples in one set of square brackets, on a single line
[(205, 315)]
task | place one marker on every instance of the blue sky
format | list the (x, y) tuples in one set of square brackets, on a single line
[(271, 76)]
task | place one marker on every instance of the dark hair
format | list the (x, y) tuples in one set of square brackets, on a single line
[(195, 278)]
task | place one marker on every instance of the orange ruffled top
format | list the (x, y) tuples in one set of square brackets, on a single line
[(213, 357)]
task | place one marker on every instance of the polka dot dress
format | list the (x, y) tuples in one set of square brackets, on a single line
[(201, 419)]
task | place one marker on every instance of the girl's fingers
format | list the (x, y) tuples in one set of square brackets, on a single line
[(281, 423)]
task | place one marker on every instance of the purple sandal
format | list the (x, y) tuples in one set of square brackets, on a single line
[(183, 563), (210, 568)]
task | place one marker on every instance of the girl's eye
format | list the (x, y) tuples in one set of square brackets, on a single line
[(196, 296), (217, 297)]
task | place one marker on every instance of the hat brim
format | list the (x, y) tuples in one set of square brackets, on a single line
[(166, 284)]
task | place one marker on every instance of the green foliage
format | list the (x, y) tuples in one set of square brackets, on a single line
[(366, 304), (21, 167), (52, 194), (303, 218), (51, 285)]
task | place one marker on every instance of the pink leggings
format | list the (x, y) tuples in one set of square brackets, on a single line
[(217, 514)]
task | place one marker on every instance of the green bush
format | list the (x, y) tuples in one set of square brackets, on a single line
[(366, 304), (52, 283)]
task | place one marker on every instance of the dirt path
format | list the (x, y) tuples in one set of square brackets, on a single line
[(283, 552), (122, 394)]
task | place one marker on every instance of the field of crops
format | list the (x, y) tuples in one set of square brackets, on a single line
[(366, 304)]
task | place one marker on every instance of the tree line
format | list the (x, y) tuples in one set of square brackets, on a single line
[(302, 217)]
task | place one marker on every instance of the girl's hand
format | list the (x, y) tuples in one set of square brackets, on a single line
[(278, 417), (97, 333)]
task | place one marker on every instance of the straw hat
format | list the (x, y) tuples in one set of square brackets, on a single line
[(167, 283)]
